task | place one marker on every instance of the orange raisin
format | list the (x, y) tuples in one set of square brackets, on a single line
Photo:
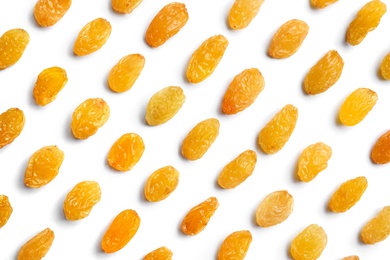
[(5, 210), (313, 160), (49, 83), (49, 12), (235, 246), (199, 216), (352, 257), (243, 12), (125, 6), (161, 183), (378, 228), (38, 246), (161, 253), (121, 231), (11, 125), (384, 68), (380, 153), (321, 3), (309, 244), (12, 46), (243, 91)]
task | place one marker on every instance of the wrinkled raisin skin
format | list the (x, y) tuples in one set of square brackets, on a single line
[(13, 43), (49, 83), (161, 183), (313, 160), (161, 253), (38, 246), (49, 12), (243, 12), (235, 246), (380, 153), (309, 244), (378, 228), (5, 210), (11, 125)]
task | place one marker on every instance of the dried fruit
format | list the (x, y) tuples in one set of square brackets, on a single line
[(126, 152), (38, 246), (348, 194), (238, 170), (384, 68), (12, 46), (11, 125), (380, 153), (88, 117), (164, 105), (121, 231), (125, 6), (81, 199), (200, 138), (321, 3), (378, 228), (167, 23), (199, 216), (324, 74), (235, 246), (243, 91), (161, 253), (366, 20), (43, 166), (313, 160), (288, 39), (206, 58), (161, 183), (124, 74), (5, 210), (309, 244), (49, 12), (243, 12), (357, 105), (352, 257), (49, 83), (276, 133), (92, 37)]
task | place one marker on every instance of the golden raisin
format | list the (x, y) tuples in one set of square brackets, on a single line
[(11, 125), (124, 74), (38, 246), (164, 105), (313, 160), (12, 46), (166, 24), (206, 58), (288, 39), (126, 152), (81, 199), (366, 20), (49, 12), (384, 68), (125, 6), (92, 37), (380, 153), (378, 228), (200, 138), (324, 74), (49, 83), (309, 244), (321, 3), (243, 12), (161, 183), (121, 231), (199, 216), (352, 257), (161, 253), (235, 246), (276, 133), (243, 91), (5, 210), (88, 117)]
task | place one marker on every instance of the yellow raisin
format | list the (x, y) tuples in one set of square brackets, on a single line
[(11, 125), (126, 152), (276, 133), (164, 105), (124, 74), (49, 83), (38, 246), (199, 216), (324, 74), (243, 91), (235, 246), (380, 153), (121, 231), (43, 166), (12, 46), (206, 58), (352, 257), (5, 210), (92, 37), (309, 244), (243, 12), (366, 20), (288, 39), (88, 117), (378, 228), (199, 139), (167, 23), (321, 3), (125, 6), (161, 253), (384, 68), (49, 12), (313, 160), (161, 183)]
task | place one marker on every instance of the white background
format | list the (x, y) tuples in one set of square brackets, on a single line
[(36, 209)]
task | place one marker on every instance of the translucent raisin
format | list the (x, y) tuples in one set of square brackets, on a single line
[(161, 253), (235, 246), (12, 46), (125, 6), (313, 160), (243, 12), (49, 83), (384, 68), (5, 210), (11, 125), (378, 228), (380, 153), (309, 244), (161, 183), (49, 12), (352, 257), (321, 3), (38, 246)]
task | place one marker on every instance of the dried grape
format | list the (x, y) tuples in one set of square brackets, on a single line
[(313, 160), (49, 83), (243, 12), (378, 228), (11, 125), (235, 246)]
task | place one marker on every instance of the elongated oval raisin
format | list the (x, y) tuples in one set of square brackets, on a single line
[(313, 160), (206, 58), (243, 12), (125, 6), (321, 3), (49, 83), (167, 23), (11, 125), (161, 183), (5, 210), (161, 253), (38, 246), (380, 153), (49, 12), (378, 228), (12, 46), (384, 68), (309, 244), (235, 246)]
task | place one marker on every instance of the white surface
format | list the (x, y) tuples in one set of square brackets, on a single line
[(35, 210)]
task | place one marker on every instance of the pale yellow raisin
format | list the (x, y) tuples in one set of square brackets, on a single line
[(49, 83), (235, 246), (321, 3), (161, 183), (313, 160), (38, 246), (11, 125), (49, 12), (378, 228), (5, 210), (125, 6), (161, 253), (309, 244), (243, 12), (12, 46)]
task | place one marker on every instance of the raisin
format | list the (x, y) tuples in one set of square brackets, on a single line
[(38, 246), (121, 231), (378, 228), (352, 257), (167, 23), (124, 74), (161, 183), (313, 160), (324, 74), (92, 37), (321, 3), (276, 133), (5, 210), (11, 125), (288, 39), (235, 246), (206, 58), (384, 68), (243, 12), (49, 83), (12, 46), (125, 6), (164, 105), (199, 216), (243, 91), (126, 152), (309, 244), (49, 12), (380, 153), (81, 199), (366, 20), (161, 253)]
